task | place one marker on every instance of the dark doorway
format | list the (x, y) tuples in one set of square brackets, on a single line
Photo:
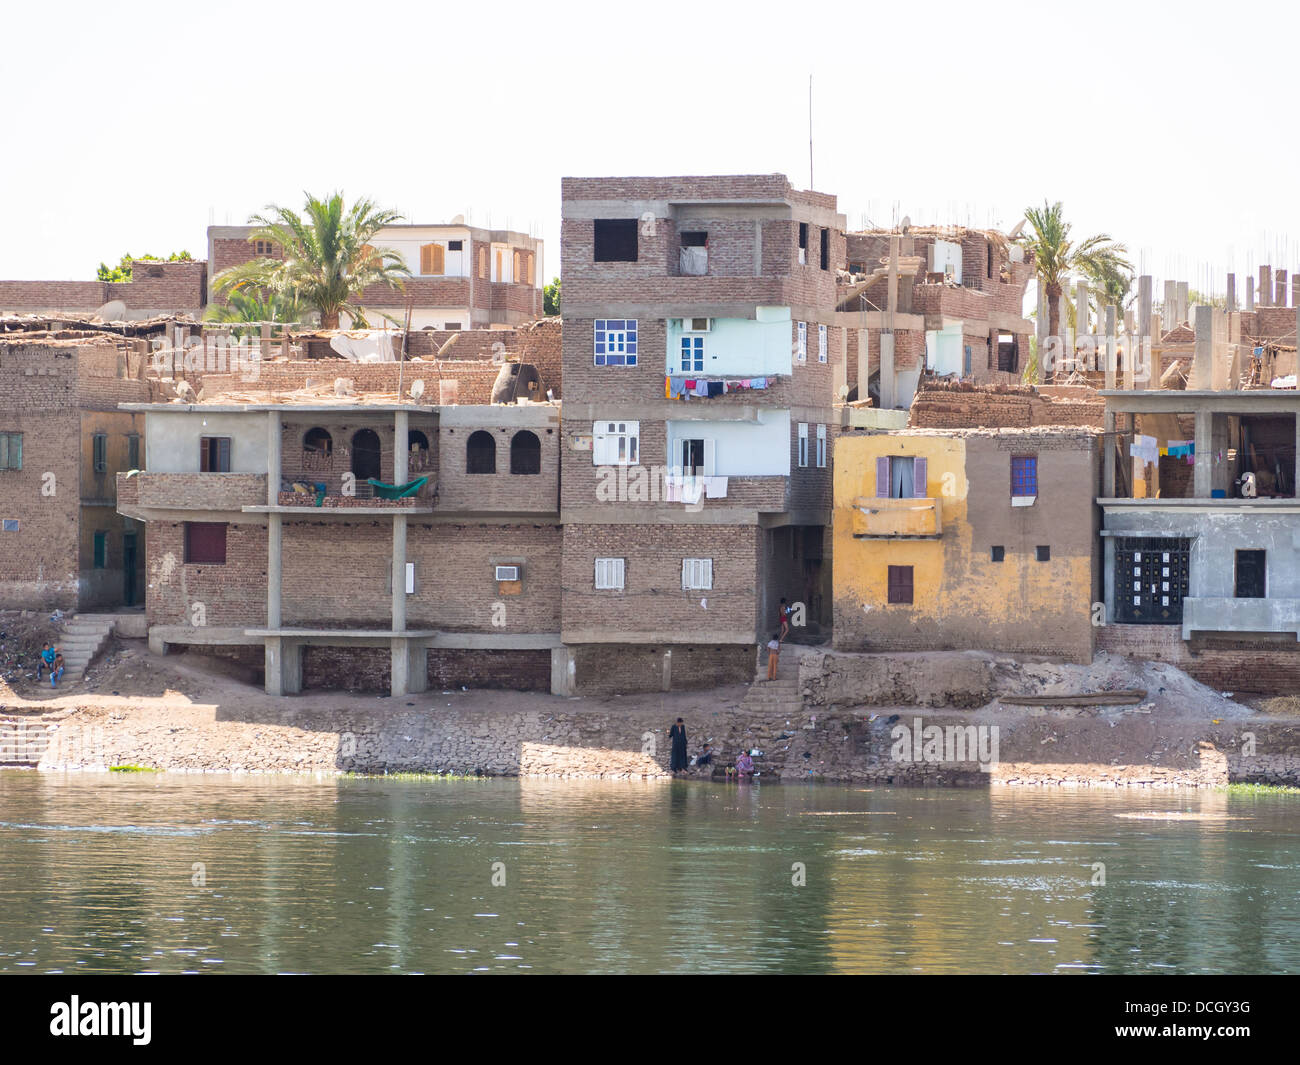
[(480, 452), (365, 454), (128, 569), (525, 453), (1250, 575)]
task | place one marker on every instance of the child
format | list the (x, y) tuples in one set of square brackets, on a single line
[(773, 655), (784, 615), (45, 661), (56, 669)]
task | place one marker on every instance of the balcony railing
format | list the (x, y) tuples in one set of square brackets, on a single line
[(878, 517)]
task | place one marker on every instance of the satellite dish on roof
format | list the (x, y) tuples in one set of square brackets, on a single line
[(417, 389), (459, 220), (112, 311), (1015, 232), (906, 223)]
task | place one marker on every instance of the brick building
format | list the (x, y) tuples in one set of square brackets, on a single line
[(701, 349), (63, 440), (155, 288), (463, 277)]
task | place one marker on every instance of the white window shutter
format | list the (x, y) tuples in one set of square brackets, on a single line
[(686, 573), (710, 457)]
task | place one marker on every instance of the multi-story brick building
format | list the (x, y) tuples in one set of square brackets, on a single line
[(701, 347), (463, 277), (155, 288), (63, 440)]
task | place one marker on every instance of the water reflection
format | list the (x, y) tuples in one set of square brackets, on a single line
[(173, 874)]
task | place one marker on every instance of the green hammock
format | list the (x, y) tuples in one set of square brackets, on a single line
[(397, 491)]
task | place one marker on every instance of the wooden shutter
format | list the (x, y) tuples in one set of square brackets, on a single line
[(882, 477), (204, 466), (205, 542), (432, 259), (918, 478), (900, 584)]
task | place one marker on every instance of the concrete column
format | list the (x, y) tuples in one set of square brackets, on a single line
[(274, 570), (888, 375), (265, 345), (1184, 311), (1149, 368), (399, 572), (1109, 446), (283, 666), (1203, 470), (272, 458), (840, 372), (864, 367), (1044, 323), (666, 681), (1265, 286), (1250, 293), (409, 670), (1081, 328), (1203, 359), (1108, 577), (1169, 310), (563, 671), (1110, 346), (1279, 288), (401, 445), (1142, 348), (1232, 292), (1295, 288)]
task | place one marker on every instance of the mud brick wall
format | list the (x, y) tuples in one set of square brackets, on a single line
[(608, 669), (525, 671), (352, 669), (952, 408), (233, 594)]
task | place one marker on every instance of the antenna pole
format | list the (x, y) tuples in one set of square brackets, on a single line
[(811, 184)]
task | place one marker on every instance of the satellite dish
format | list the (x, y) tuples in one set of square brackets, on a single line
[(843, 391), (112, 311), (906, 223), (1015, 232), (417, 389), (459, 220)]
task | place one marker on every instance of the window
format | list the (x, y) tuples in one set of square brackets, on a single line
[(1152, 578), (482, 262), (205, 543), (803, 443), (989, 248), (132, 451), (900, 584), (452, 326), (318, 441), (803, 243), (455, 245), (821, 446), (516, 274), (1042, 553), (480, 453), (497, 275), (433, 259), (11, 451), (694, 455), (615, 443), (525, 452), (9, 525), (826, 249), (101, 549), (615, 341), (901, 477), (264, 249), (615, 240), (1024, 478), (1250, 582), (997, 553), (609, 574), (695, 239), (417, 450), (100, 450), (692, 354), (367, 456), (214, 454), (821, 343), (801, 340), (697, 574)]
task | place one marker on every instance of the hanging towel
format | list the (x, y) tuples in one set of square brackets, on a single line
[(715, 388), (758, 382), (701, 389), (715, 487), (692, 490), (676, 385)]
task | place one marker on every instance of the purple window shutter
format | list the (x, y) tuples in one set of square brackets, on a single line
[(882, 477), (918, 478)]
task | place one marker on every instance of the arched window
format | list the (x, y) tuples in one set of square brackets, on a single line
[(365, 454), (525, 453), (432, 259), (418, 444), (516, 274), (319, 441), (481, 453)]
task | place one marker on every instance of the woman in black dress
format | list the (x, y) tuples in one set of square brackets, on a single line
[(677, 734)]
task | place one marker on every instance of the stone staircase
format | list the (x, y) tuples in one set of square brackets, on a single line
[(780, 695), (83, 638), (22, 742)]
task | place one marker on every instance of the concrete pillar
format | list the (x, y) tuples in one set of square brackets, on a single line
[(666, 681), (1108, 350), (888, 375), (1250, 293), (399, 572), (1203, 470), (563, 671), (1044, 323), (1169, 309), (272, 458), (265, 345), (1279, 288), (274, 570), (409, 670), (1109, 447), (1232, 292), (1081, 328), (401, 446), (1265, 286), (1184, 311), (1148, 375), (283, 666), (1203, 359), (864, 367), (1142, 347), (1108, 577), (1295, 288)]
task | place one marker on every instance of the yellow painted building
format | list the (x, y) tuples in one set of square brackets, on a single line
[(955, 539)]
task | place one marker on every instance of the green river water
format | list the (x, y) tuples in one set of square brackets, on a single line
[(167, 873)]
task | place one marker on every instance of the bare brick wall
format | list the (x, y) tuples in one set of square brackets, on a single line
[(527, 671), (230, 595), (998, 407), (460, 490), (353, 669), (1229, 668), (180, 289), (604, 669)]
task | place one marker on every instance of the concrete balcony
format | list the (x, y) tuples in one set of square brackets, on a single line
[(1204, 614), (190, 491), (877, 518)]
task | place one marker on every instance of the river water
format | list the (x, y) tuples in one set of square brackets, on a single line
[(167, 873)]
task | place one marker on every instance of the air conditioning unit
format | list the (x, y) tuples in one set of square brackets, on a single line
[(697, 325), (507, 573)]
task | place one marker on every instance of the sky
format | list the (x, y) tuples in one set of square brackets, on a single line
[(134, 127)]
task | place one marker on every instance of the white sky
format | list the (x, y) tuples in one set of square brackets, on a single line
[(132, 126)]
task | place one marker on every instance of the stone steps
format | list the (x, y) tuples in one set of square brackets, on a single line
[(84, 636), (22, 743)]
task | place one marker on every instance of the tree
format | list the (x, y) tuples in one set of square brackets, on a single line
[(551, 298), (122, 271), (249, 304), (327, 260), (1057, 258)]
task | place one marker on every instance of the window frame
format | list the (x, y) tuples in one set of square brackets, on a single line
[(190, 526), (697, 574), (99, 549), (692, 350), (821, 343), (99, 452), (608, 570), (803, 445), (891, 584), (7, 451), (627, 431), (1024, 477), (801, 340), (821, 446), (205, 456), (602, 331)]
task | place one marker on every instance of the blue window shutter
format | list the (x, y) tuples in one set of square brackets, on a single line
[(918, 478), (882, 477)]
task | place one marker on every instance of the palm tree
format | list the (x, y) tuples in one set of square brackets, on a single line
[(327, 257), (252, 304), (1056, 258)]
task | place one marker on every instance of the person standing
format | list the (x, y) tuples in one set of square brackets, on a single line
[(677, 734), (783, 615), (773, 655)]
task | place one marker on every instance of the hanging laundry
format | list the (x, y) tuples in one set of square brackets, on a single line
[(758, 382), (715, 388), (715, 487), (701, 389), (676, 385)]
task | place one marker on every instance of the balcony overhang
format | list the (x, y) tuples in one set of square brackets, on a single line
[(881, 518)]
